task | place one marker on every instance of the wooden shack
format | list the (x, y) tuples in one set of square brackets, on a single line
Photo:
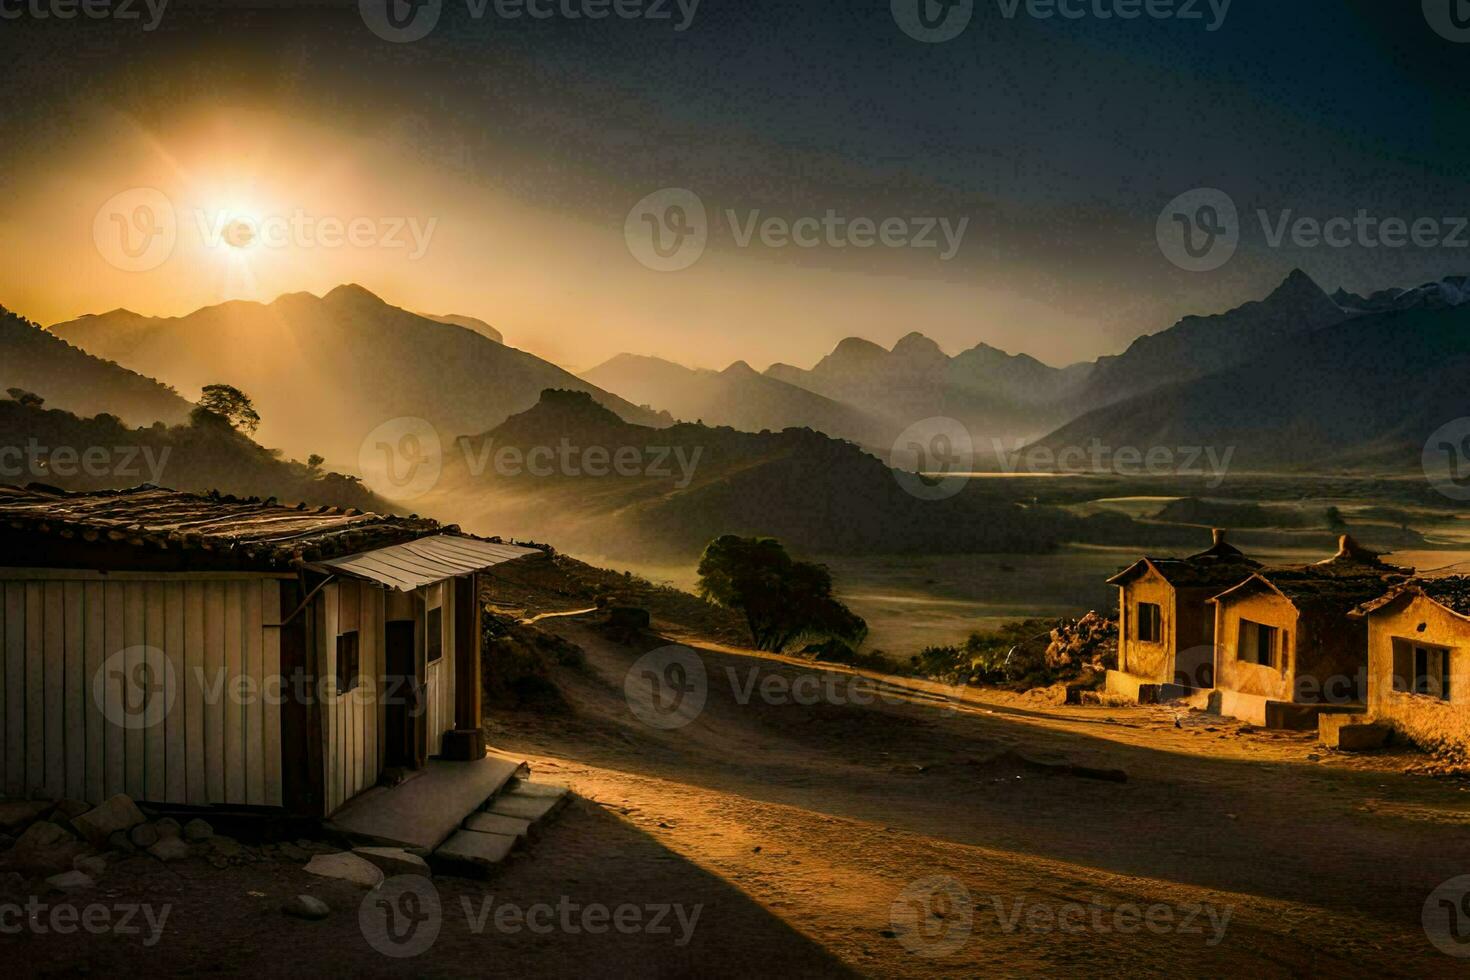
[(215, 652)]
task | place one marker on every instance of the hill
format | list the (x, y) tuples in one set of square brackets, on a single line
[(469, 323), (326, 371), (737, 396), (70, 378), (40, 445), (571, 471)]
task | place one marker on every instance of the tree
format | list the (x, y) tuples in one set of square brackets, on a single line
[(27, 398), (781, 599), (230, 404), (314, 464)]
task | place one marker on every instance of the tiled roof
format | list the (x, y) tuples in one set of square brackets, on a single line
[(1452, 592), (249, 531), (1221, 564)]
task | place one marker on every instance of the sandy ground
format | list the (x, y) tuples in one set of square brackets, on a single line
[(799, 833)]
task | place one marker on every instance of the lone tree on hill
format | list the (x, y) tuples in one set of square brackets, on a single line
[(230, 404), (782, 599)]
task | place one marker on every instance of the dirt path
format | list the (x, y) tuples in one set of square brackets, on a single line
[(826, 811), (811, 822)]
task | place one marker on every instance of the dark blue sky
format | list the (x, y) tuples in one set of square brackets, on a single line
[(1062, 140)]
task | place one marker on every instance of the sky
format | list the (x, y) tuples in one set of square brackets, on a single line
[(812, 170)]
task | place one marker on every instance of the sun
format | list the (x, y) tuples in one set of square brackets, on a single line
[(241, 232)]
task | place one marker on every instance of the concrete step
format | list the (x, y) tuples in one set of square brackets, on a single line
[(532, 802), (473, 852), (494, 823), (1352, 733)]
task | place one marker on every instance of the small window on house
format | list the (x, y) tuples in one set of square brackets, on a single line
[(1432, 672), (1258, 643), (1150, 622), (434, 634), (347, 662)]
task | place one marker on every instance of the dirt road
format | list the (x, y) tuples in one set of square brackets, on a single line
[(1225, 851), (810, 822)]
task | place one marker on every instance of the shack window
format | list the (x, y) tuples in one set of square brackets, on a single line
[(1258, 643), (1150, 622), (434, 634), (347, 662)]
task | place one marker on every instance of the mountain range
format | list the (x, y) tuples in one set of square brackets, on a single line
[(325, 371), (683, 485), (738, 397), (1365, 393)]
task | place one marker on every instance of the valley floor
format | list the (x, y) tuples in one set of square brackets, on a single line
[(920, 832)]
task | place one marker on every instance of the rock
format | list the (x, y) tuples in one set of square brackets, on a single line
[(12, 884), (71, 881), (42, 834), (306, 907), (17, 815), (346, 867), (290, 852), (71, 809), (226, 847), (144, 835), (394, 860), (99, 823), (197, 830), (167, 827), (170, 849), (120, 841), (90, 864)]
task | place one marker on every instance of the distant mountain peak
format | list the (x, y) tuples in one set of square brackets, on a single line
[(916, 344), (739, 369), (351, 292), (857, 347), (1297, 284)]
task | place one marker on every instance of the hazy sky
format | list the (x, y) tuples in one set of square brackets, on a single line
[(490, 168)]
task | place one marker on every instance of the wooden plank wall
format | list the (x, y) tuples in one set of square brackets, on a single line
[(352, 723), (217, 660)]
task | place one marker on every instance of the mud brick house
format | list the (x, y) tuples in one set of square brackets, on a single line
[(1419, 662), (214, 652), (1166, 633), (1287, 650)]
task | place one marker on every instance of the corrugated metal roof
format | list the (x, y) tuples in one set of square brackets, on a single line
[(415, 564)]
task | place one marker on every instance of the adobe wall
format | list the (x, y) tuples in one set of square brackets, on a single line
[(1429, 722), (1153, 661), (1270, 609)]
